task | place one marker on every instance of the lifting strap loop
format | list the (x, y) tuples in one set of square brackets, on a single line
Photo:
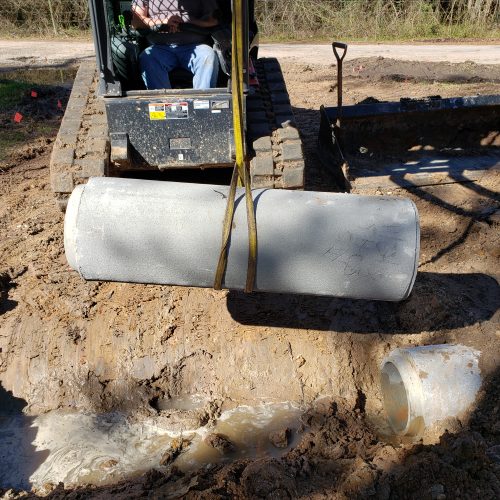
[(241, 174)]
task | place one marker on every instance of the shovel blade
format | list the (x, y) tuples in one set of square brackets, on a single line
[(330, 152)]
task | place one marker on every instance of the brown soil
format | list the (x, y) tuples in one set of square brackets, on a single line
[(65, 343), (381, 69)]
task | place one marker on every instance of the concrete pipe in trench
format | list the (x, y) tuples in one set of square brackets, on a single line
[(341, 245), (423, 385)]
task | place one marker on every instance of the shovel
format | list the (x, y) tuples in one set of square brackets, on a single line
[(340, 59), (330, 147)]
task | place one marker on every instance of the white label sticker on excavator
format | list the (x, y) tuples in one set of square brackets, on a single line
[(157, 112), (200, 104), (218, 106)]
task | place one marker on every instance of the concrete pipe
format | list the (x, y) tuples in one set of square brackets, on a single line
[(341, 245), (426, 384)]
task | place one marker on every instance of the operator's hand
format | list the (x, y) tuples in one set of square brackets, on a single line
[(173, 23), (166, 24)]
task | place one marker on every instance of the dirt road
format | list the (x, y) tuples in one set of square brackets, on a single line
[(318, 54), (21, 53), (69, 344)]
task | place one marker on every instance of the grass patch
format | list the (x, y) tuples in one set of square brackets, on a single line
[(40, 114), (378, 20), (12, 94), (40, 76)]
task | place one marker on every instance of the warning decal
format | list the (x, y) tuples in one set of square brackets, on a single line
[(168, 110), (220, 105), (157, 112), (176, 110)]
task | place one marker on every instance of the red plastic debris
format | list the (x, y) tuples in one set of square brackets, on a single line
[(59, 104), (18, 117), (34, 93)]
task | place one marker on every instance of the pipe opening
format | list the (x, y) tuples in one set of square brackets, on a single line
[(395, 398)]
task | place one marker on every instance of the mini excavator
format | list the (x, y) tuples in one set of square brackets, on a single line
[(144, 231)]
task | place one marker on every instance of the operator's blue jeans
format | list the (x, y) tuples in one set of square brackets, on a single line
[(156, 61)]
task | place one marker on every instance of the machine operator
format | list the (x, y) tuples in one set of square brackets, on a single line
[(171, 47)]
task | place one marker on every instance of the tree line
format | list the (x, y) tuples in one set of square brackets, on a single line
[(295, 19)]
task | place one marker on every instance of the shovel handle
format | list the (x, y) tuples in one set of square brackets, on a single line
[(340, 58), (341, 46)]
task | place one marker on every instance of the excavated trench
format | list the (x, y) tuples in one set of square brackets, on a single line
[(189, 391)]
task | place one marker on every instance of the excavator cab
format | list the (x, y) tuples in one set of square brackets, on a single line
[(126, 44)]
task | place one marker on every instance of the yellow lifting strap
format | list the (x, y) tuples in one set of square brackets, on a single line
[(241, 174)]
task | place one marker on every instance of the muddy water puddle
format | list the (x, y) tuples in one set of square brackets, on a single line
[(185, 402), (248, 429), (86, 448)]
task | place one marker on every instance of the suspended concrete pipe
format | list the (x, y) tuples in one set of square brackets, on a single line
[(423, 385), (341, 245)]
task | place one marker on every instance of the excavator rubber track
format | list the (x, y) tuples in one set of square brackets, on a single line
[(272, 132), (82, 147)]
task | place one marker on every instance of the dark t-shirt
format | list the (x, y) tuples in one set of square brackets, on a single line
[(185, 9)]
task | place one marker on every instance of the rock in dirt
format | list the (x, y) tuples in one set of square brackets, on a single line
[(178, 420), (176, 447), (386, 458), (300, 361), (281, 438), (220, 442), (108, 464)]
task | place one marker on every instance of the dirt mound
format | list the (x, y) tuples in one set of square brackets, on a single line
[(391, 70), (381, 69)]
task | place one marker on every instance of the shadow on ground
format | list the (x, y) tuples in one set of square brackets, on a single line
[(19, 459), (438, 301), (6, 284)]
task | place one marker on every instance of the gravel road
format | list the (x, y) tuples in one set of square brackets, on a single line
[(317, 54), (22, 53)]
